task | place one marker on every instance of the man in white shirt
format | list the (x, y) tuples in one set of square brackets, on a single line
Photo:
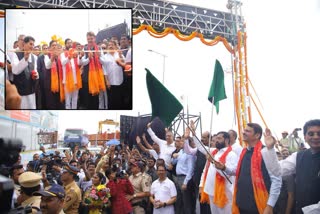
[(163, 193), (114, 64), (166, 146), (69, 65), (208, 183), (24, 69)]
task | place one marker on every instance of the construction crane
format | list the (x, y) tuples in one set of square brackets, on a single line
[(107, 122)]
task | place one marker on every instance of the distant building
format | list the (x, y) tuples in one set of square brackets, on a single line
[(116, 30), (26, 124)]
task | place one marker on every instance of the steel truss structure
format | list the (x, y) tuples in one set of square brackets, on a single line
[(159, 14)]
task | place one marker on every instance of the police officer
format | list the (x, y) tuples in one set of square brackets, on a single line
[(30, 183), (73, 193), (52, 200), (141, 185)]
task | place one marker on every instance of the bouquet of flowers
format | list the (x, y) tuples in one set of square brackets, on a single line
[(98, 198)]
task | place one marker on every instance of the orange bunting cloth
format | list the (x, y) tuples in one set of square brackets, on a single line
[(96, 77), (259, 188), (220, 198)]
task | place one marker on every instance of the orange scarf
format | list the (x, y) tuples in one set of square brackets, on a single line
[(70, 87), (259, 188), (220, 198), (56, 79), (79, 79), (96, 77)]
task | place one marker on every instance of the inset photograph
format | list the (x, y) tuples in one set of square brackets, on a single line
[(69, 58)]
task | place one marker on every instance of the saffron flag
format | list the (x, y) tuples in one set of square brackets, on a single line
[(164, 104), (217, 91)]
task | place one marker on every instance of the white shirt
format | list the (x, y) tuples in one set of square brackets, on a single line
[(270, 159), (288, 165), (165, 149), (237, 148), (153, 153), (64, 61), (163, 191), (19, 65), (231, 161), (112, 69)]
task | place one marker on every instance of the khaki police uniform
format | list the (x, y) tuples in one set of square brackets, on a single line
[(30, 180), (72, 199), (140, 183)]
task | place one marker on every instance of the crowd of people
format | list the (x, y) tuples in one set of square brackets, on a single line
[(68, 75), (174, 174)]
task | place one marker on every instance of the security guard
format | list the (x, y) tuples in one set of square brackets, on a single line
[(141, 185), (30, 183), (73, 193), (52, 199)]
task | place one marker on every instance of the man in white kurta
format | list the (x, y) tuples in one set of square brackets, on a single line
[(71, 97), (209, 183)]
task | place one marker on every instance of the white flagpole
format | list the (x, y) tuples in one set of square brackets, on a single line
[(211, 120)]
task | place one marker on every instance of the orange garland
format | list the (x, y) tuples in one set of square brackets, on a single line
[(182, 37)]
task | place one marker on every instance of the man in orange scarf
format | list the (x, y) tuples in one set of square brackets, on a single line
[(214, 187), (92, 76), (52, 76), (71, 75), (257, 185)]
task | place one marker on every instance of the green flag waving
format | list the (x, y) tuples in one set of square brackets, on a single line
[(164, 104), (217, 91)]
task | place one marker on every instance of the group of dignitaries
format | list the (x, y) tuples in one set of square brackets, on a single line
[(173, 175), (72, 76)]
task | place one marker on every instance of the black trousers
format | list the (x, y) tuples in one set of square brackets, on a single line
[(87, 101), (52, 100), (115, 97)]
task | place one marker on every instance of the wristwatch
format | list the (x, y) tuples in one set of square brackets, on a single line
[(164, 204), (135, 195)]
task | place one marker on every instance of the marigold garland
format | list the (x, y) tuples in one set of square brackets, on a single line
[(182, 37)]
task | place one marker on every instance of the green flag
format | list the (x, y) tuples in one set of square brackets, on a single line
[(217, 91), (164, 104)]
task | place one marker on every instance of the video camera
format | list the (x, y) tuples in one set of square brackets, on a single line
[(50, 160), (119, 173), (9, 152)]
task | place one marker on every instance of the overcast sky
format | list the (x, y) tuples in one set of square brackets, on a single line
[(42, 24), (283, 66)]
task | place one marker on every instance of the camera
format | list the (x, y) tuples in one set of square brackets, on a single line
[(9, 152), (119, 173)]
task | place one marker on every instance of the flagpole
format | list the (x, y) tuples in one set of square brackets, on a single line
[(205, 149), (211, 120)]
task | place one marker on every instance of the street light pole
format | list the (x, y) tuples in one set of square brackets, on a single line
[(163, 64)]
